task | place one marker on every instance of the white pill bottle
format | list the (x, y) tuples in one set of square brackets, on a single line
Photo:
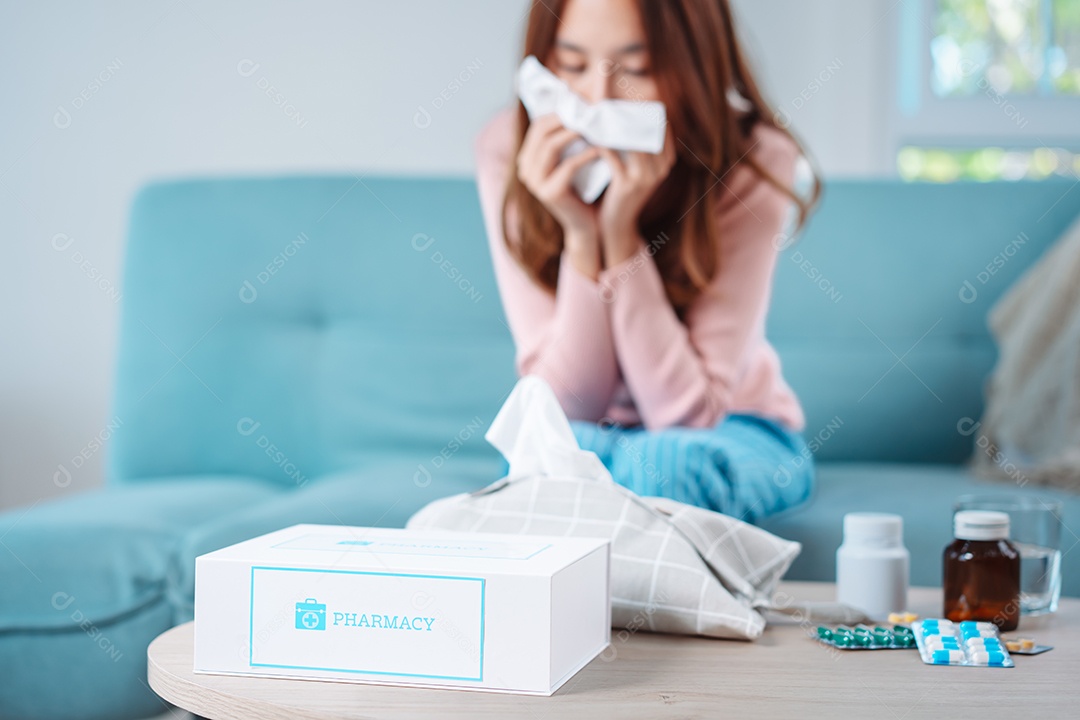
[(872, 564)]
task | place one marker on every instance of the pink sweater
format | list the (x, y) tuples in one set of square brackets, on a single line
[(614, 349)]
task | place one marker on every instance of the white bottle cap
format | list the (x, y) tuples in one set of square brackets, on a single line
[(877, 529), (981, 525)]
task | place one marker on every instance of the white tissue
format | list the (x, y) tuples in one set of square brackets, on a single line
[(532, 433), (618, 124)]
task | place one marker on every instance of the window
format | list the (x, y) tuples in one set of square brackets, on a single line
[(990, 163), (1009, 46), (989, 90)]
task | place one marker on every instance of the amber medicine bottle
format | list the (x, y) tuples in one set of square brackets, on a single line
[(982, 570)]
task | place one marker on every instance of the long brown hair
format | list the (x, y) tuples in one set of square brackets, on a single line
[(695, 59)]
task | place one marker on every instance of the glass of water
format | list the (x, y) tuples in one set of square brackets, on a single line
[(1035, 530)]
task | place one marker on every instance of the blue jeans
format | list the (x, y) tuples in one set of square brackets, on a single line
[(746, 466)]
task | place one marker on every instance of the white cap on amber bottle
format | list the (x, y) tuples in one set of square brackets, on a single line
[(981, 525)]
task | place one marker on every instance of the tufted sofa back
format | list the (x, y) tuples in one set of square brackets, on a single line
[(294, 327)]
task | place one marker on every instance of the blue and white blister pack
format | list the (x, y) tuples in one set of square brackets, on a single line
[(943, 642)]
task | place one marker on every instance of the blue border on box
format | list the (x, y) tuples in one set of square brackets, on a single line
[(251, 621)]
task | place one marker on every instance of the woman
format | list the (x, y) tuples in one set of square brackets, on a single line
[(645, 310)]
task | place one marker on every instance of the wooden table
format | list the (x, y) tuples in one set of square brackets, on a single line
[(783, 675)]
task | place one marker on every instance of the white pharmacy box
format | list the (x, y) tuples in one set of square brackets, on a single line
[(480, 611)]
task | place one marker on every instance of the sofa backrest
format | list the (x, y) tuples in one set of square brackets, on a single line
[(880, 309), (296, 326), (292, 327)]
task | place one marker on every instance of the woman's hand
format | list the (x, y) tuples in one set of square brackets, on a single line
[(633, 182), (549, 178)]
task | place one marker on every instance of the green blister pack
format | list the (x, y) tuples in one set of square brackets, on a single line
[(862, 637)]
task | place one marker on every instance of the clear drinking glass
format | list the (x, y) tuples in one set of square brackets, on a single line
[(1035, 530)]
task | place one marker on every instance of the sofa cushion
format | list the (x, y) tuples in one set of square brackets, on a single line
[(93, 672), (101, 555), (923, 495)]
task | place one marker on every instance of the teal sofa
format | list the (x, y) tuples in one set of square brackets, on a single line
[(331, 349)]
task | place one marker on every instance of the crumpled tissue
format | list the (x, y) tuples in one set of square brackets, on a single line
[(618, 124)]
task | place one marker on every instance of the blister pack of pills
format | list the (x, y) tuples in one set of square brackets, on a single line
[(943, 642), (1026, 646), (861, 637)]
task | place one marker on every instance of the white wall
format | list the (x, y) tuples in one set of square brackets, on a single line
[(100, 97), (828, 67)]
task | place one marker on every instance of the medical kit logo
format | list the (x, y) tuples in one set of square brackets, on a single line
[(310, 615)]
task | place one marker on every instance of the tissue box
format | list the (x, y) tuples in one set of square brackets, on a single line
[(480, 611)]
